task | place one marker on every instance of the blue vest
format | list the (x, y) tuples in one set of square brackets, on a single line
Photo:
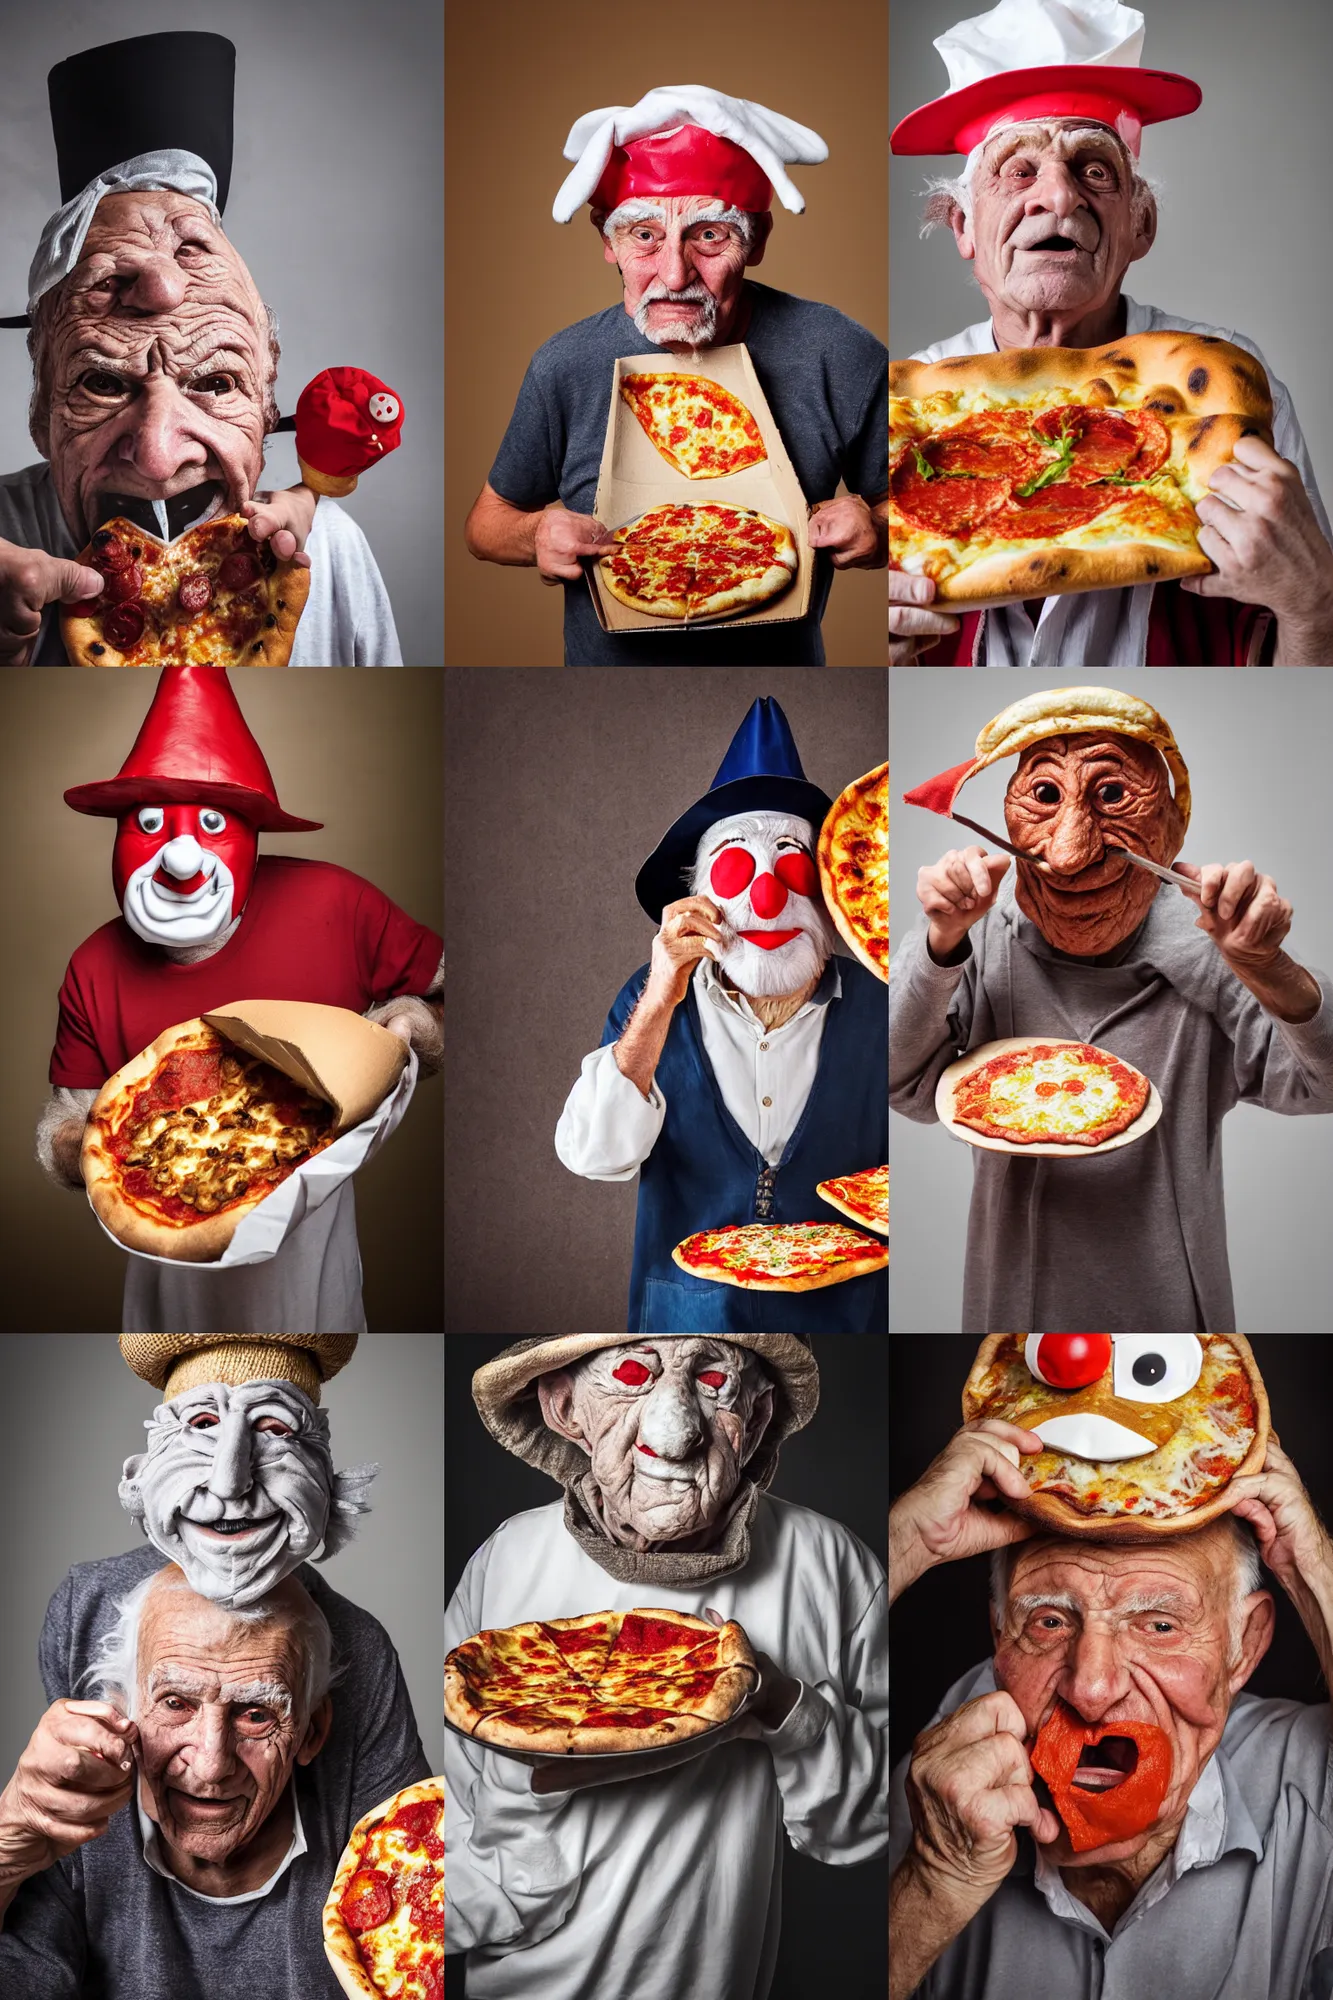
[(703, 1173)]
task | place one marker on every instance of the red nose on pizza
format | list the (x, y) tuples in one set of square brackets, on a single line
[(1069, 1360)]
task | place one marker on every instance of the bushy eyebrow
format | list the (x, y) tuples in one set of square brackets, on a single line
[(1167, 1601), (1020, 142), (239, 1694)]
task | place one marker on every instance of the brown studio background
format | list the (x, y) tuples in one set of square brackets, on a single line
[(555, 793), (359, 751), (517, 75)]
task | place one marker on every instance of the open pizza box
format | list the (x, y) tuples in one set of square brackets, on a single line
[(366, 1074), (634, 477)]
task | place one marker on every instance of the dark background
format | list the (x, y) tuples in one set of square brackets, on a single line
[(834, 1920), (557, 788), (938, 1629)]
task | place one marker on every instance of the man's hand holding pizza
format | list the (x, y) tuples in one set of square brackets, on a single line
[(562, 541), (1258, 527), (691, 929), (77, 1770), (956, 893), (913, 628), (29, 581), (1247, 919), (285, 519)]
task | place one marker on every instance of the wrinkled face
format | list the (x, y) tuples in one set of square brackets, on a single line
[(218, 1708), (181, 873), (682, 264), (1055, 219), (235, 1486), (1072, 800), (759, 869), (668, 1426), (1135, 1634), (158, 361)]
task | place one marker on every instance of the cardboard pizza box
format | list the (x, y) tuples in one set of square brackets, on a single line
[(634, 477), (350, 1062)]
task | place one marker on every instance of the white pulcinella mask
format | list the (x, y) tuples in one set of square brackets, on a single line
[(237, 1487), (759, 869), (186, 916)]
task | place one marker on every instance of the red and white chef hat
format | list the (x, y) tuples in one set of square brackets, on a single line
[(685, 139)]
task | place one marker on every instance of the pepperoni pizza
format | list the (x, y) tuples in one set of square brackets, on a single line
[(684, 562), (383, 1919)]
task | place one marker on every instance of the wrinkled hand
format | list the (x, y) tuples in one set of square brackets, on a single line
[(1293, 1541), (1241, 911), (77, 1770), (912, 629), (957, 892), (564, 539), (285, 519), (969, 1784), (691, 930), (1260, 530), (854, 536), (939, 1519), (29, 581)]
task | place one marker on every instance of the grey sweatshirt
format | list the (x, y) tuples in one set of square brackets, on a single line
[(101, 1925), (1132, 1240)]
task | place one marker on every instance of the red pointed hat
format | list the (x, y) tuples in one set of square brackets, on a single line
[(194, 744)]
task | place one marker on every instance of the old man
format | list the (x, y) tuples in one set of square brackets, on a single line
[(1075, 941), (155, 361), (665, 1881), (1048, 102), (680, 188), (1225, 1892)]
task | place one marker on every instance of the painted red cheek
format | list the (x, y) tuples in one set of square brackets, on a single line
[(713, 1378), (632, 1373), (732, 871), (799, 873)]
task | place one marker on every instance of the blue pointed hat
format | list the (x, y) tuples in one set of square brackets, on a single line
[(761, 772)]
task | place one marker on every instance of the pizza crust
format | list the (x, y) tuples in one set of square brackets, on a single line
[(339, 1943), (946, 1093), (1054, 1513), (1175, 374), (848, 814), (826, 1192)]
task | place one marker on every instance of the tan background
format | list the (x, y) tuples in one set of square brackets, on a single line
[(517, 75), (359, 751)]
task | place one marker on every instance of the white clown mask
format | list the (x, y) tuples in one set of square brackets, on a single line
[(237, 1487), (759, 869)]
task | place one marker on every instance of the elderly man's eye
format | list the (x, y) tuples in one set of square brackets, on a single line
[(1046, 794), (1112, 793), (713, 1378), (101, 382), (220, 384), (275, 1425), (633, 1374)]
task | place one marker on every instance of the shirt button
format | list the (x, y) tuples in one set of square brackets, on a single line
[(763, 1045), (767, 1102)]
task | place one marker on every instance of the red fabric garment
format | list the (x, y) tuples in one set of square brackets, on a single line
[(1183, 631), (310, 931)]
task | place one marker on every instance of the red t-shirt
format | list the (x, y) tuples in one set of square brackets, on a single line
[(310, 931)]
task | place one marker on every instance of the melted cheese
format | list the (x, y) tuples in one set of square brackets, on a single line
[(395, 1956), (1015, 1099)]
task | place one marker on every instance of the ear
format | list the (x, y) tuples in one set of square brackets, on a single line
[(1146, 233), (761, 1416), (1256, 1636), (962, 233), (763, 230), (555, 1392), (317, 1731)]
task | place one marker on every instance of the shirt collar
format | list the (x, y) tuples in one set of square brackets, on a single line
[(153, 1855), (712, 988)]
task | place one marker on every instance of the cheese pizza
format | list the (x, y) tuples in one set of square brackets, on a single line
[(605, 1683), (685, 562), (1047, 1093), (1213, 1432), (862, 1197), (696, 425), (1038, 471), (854, 868), (215, 597), (383, 1918), (190, 1136), (780, 1256)]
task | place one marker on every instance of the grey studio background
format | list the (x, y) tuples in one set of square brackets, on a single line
[(1244, 234), (336, 205), (75, 1412), (1256, 747), (557, 788)]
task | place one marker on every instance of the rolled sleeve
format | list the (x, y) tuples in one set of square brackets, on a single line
[(830, 1755), (608, 1127)]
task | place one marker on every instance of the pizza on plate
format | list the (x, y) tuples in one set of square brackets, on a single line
[(1049, 1093), (862, 1197), (602, 1684), (190, 1136), (1038, 471), (384, 1915), (854, 868), (780, 1256), (215, 597), (686, 562), (1195, 1402), (696, 425)]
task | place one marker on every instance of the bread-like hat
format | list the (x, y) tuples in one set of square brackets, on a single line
[(174, 1362)]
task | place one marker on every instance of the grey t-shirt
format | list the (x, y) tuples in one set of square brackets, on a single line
[(101, 1925), (347, 620), (827, 384)]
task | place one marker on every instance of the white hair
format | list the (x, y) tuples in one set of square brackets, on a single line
[(1247, 1577), (945, 192), (115, 1669)]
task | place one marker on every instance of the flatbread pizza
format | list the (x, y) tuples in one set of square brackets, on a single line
[(1039, 1095), (780, 1256)]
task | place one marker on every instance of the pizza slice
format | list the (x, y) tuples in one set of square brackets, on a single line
[(862, 1197), (503, 1669), (585, 1644), (383, 1918), (780, 1256), (696, 425)]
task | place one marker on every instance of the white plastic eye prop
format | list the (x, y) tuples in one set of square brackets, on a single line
[(151, 819), (1155, 1367), (384, 409), (211, 820)]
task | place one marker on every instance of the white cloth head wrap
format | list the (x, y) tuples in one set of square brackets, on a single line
[(1027, 34), (63, 237), (766, 135)]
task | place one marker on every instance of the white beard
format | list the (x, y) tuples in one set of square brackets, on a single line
[(159, 917), (694, 329)]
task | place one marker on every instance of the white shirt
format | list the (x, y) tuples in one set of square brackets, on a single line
[(347, 620), (765, 1075), (668, 1888), (152, 1854), (1109, 628)]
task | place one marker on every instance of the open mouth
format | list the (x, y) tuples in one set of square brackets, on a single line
[(1102, 1766), (205, 1808), (1054, 246)]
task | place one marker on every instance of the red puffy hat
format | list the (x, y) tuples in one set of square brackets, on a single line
[(194, 744), (346, 419), (686, 161)]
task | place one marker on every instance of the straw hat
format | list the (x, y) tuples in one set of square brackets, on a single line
[(174, 1362)]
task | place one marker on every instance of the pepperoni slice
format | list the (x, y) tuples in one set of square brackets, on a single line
[(195, 593), (989, 444), (1104, 442), (947, 507), (1053, 511), (238, 571), (124, 586), (123, 626), (1154, 445), (109, 552)]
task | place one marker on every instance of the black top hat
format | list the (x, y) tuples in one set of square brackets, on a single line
[(142, 96)]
